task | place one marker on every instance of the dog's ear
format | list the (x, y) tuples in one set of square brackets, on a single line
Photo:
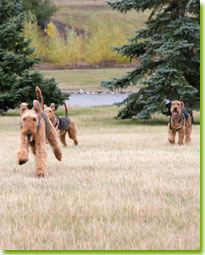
[(23, 108), (45, 106), (181, 100), (53, 107), (36, 106)]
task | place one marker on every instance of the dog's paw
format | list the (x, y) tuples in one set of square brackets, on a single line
[(22, 158), (171, 141), (21, 162), (188, 141), (40, 175), (58, 154)]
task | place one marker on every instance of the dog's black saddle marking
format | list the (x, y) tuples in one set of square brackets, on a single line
[(45, 118), (185, 113), (63, 123)]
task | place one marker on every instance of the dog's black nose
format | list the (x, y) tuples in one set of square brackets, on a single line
[(175, 109), (29, 134)]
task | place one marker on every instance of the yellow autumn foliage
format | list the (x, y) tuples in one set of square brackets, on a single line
[(104, 34), (94, 47), (63, 50), (32, 32)]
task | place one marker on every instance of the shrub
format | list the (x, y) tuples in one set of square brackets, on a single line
[(103, 34), (63, 50), (70, 48), (31, 31), (73, 47)]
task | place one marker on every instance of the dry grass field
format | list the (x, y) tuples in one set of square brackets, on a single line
[(123, 188)]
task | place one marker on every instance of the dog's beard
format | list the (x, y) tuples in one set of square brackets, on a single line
[(174, 113), (28, 139)]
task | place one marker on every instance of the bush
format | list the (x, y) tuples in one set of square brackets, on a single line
[(94, 47), (103, 34), (31, 31), (62, 50)]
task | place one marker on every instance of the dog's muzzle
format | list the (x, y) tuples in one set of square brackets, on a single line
[(175, 112), (29, 137)]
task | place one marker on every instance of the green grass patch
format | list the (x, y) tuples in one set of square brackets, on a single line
[(99, 116), (71, 80)]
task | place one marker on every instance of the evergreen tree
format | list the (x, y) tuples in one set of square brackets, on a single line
[(168, 49), (17, 82), (41, 9)]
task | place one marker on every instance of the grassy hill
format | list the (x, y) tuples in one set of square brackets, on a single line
[(77, 13), (96, 28)]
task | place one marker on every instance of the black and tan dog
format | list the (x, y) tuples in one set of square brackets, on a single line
[(180, 122), (35, 129), (63, 124)]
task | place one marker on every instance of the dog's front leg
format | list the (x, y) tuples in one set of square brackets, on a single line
[(53, 141), (40, 159), (172, 135), (22, 153), (181, 136), (188, 130)]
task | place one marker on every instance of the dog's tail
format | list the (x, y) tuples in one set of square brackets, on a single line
[(66, 109), (181, 100), (39, 96)]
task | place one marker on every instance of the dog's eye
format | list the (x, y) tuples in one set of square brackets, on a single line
[(49, 110), (24, 119), (178, 104), (34, 119)]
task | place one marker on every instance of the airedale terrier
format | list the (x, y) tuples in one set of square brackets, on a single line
[(35, 127), (63, 124), (180, 122)]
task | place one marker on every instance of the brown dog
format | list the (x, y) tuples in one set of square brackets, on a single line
[(35, 128), (63, 124), (180, 122), (23, 107)]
